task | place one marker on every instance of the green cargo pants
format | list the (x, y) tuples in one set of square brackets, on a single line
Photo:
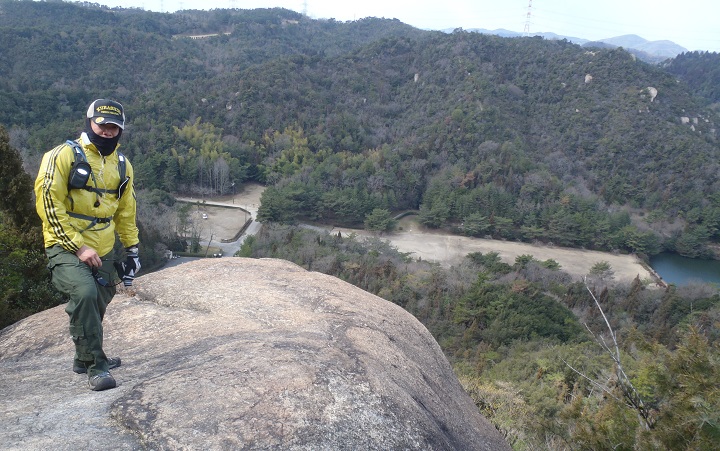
[(87, 304)]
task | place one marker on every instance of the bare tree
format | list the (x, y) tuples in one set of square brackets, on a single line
[(196, 235), (201, 170), (630, 396), (184, 221), (221, 175)]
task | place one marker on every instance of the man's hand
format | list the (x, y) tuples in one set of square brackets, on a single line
[(89, 256)]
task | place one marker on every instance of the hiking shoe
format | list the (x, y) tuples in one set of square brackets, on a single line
[(102, 381), (81, 367)]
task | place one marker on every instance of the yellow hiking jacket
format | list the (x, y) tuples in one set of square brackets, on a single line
[(59, 206)]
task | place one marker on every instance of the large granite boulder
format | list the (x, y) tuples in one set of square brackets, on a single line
[(238, 353)]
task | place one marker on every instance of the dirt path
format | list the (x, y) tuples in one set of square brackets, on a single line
[(450, 249), (445, 249)]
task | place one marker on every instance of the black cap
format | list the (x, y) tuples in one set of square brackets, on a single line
[(105, 111)]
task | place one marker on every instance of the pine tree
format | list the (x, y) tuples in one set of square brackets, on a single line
[(16, 186)]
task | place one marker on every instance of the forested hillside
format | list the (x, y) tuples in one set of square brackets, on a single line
[(700, 71), (517, 138)]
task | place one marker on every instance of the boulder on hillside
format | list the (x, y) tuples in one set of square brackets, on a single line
[(239, 353)]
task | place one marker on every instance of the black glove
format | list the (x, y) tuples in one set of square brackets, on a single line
[(130, 266)]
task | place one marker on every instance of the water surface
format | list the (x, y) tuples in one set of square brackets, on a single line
[(682, 270)]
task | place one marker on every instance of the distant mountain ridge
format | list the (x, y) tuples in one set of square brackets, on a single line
[(649, 51)]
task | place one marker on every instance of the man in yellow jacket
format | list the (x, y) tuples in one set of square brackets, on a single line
[(84, 196)]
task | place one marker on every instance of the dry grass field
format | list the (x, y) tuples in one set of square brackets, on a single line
[(412, 237)]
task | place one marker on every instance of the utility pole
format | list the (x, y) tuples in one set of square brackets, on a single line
[(527, 19)]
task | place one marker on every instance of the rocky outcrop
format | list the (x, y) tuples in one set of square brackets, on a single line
[(653, 93), (240, 354)]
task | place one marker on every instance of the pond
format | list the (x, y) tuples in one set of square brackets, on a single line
[(682, 270)]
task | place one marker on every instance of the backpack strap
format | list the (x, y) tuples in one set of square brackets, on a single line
[(124, 179), (121, 165), (80, 157), (92, 219)]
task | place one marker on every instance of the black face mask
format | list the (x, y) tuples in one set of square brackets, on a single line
[(105, 146)]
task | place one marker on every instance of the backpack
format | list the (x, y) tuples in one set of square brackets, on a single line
[(81, 172)]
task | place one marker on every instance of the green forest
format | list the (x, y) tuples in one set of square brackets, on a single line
[(515, 138), (353, 123)]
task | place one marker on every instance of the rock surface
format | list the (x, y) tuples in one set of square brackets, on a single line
[(238, 353)]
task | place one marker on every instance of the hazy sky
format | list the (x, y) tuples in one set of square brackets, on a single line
[(693, 24)]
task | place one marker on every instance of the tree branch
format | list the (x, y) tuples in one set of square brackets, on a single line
[(628, 389)]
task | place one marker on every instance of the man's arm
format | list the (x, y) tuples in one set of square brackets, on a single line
[(51, 190), (125, 216)]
